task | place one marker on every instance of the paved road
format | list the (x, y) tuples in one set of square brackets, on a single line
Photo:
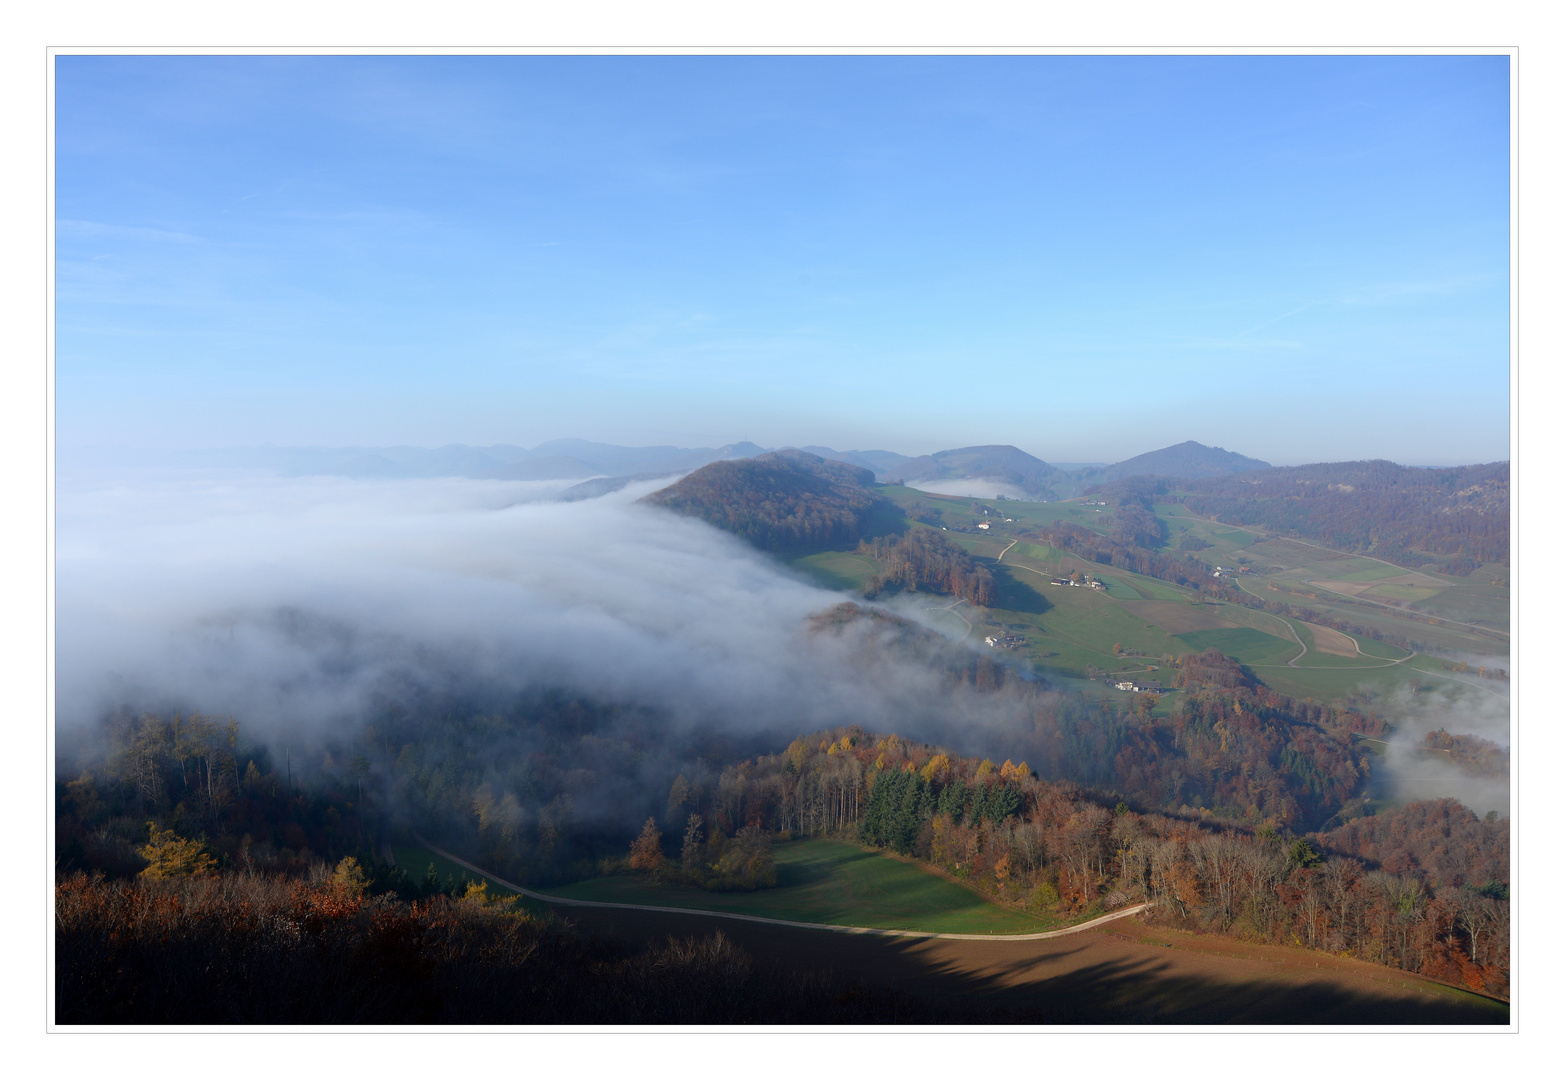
[(1122, 913)]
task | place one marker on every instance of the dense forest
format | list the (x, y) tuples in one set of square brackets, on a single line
[(1234, 813), (545, 787), (1231, 748), (922, 559), (784, 501), (1458, 518), (1423, 888)]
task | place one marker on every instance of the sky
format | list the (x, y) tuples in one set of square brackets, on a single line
[(1296, 258)]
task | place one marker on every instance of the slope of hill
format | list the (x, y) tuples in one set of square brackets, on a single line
[(786, 500), (881, 462), (1459, 516), (1188, 460), (1003, 464)]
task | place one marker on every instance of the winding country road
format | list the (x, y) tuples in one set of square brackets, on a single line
[(560, 900)]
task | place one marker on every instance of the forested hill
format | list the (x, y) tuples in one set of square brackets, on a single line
[(787, 500), (1460, 516), (1188, 460), (1005, 464)]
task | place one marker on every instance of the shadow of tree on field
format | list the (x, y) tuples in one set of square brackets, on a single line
[(1091, 980)]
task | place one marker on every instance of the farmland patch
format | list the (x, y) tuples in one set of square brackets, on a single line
[(1332, 641), (1180, 618)]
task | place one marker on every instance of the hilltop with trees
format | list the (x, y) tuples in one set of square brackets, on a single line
[(784, 501)]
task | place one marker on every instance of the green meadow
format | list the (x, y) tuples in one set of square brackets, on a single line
[(1070, 631), (826, 881)]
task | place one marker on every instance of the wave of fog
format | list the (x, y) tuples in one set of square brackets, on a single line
[(293, 604), (1410, 773)]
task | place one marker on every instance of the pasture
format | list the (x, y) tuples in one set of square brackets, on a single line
[(827, 881), (837, 569), (1243, 644), (1072, 630)]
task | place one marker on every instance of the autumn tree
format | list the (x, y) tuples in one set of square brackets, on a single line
[(646, 851), (348, 878), (169, 855)]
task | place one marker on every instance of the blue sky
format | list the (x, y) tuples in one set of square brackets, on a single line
[(1298, 258)]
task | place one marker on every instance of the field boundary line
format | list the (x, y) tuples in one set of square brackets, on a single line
[(831, 927), (1410, 615)]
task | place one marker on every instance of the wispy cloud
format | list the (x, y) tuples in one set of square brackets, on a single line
[(96, 230)]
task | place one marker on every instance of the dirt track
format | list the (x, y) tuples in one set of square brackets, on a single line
[(1124, 973)]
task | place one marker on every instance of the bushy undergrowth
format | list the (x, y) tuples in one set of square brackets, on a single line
[(246, 948)]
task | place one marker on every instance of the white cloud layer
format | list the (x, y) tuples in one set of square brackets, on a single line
[(291, 603)]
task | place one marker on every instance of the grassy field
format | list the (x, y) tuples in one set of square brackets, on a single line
[(1244, 644), (823, 881), (1070, 631), (837, 569)]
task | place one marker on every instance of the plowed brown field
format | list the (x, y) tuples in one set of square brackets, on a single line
[(1125, 973), (1332, 641)]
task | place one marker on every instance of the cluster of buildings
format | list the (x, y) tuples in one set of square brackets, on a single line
[(1087, 583), (1005, 641), (1139, 688)]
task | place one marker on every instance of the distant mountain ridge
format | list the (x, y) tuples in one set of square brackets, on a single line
[(1459, 517), (1003, 464), (583, 460), (1188, 460)]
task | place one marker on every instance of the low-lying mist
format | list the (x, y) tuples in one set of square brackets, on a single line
[(1409, 772), (306, 607), (299, 605)]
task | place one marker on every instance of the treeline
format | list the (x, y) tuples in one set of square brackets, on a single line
[(1471, 754), (923, 560), (1231, 745), (243, 947), (784, 501), (1232, 749), (1458, 517), (708, 859), (197, 776), (542, 787), (1422, 889)]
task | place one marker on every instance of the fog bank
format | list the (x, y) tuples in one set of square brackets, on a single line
[(296, 604)]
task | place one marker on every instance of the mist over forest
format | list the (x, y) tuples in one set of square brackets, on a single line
[(304, 608), (310, 607)]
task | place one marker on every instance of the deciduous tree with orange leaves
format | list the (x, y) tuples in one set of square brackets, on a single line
[(646, 851)]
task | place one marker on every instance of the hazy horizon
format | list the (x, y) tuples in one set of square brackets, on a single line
[(1298, 258), (92, 455)]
